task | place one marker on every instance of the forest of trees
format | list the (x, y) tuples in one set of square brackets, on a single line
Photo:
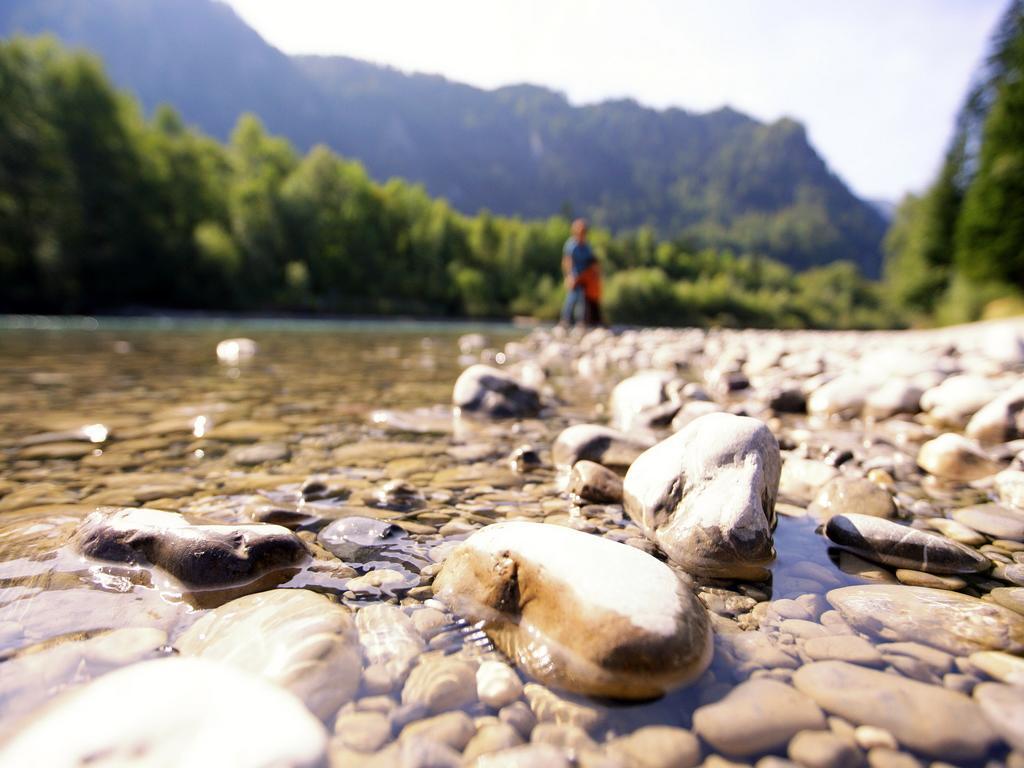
[(956, 253), (104, 210)]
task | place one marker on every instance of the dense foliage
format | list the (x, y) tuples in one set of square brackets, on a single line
[(103, 210), (719, 180), (957, 252)]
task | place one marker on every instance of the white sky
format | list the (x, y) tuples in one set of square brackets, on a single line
[(876, 82)]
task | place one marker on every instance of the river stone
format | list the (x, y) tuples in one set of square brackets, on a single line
[(639, 392), (31, 678), (578, 611), (801, 479), (851, 648), (657, 746), (692, 411), (914, 578), (497, 684), (1009, 597), (390, 641), (525, 756), (592, 482), (199, 556), (485, 391), (260, 453), (951, 621), (359, 539), (927, 718), (489, 738), (440, 684), (1010, 487), (843, 396), (1001, 419), (842, 495), (1003, 706), (171, 712), (895, 396), (994, 520), (757, 716), (293, 637), (957, 398), (1001, 666), (603, 445), (900, 546), (706, 496), (955, 457), (823, 749)]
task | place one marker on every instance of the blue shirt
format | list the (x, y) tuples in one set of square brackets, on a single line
[(582, 256)]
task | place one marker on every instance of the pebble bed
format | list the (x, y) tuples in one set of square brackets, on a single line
[(328, 484)]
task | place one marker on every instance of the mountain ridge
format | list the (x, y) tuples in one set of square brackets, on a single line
[(719, 178)]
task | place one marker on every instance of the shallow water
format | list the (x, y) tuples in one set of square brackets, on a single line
[(128, 415)]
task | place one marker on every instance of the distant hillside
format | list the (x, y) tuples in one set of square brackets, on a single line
[(720, 179)]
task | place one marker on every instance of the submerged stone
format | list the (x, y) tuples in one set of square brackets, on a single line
[(176, 711), (199, 556), (485, 391), (577, 611), (707, 494), (900, 546), (951, 621), (293, 637)]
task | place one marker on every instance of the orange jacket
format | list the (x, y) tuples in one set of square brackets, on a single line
[(590, 281)]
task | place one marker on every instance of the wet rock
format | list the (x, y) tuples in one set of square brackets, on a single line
[(260, 453), (485, 391), (954, 457), (524, 459), (400, 495), (928, 719), (657, 746), (199, 556), (453, 729), (497, 684), (757, 716), (550, 707), (851, 648), (390, 641), (592, 482), (293, 637), (359, 539), (900, 546), (950, 621), (707, 494), (363, 731), (843, 495), (525, 756), (31, 678), (822, 749), (636, 394), (577, 611), (1001, 419), (920, 579), (1003, 706), (491, 738), (199, 713), (801, 479), (440, 684), (236, 350), (602, 445), (996, 521)]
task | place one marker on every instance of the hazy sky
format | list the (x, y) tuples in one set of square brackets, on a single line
[(877, 82)]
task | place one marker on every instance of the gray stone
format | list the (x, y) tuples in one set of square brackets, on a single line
[(950, 621), (359, 539), (175, 711), (199, 556), (293, 637), (592, 482), (603, 445), (707, 494), (485, 391), (997, 521), (845, 495), (928, 719), (1003, 706), (900, 546), (757, 716)]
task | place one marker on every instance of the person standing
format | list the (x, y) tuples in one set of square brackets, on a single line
[(582, 277)]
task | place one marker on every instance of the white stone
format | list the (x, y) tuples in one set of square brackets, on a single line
[(236, 350), (171, 712)]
